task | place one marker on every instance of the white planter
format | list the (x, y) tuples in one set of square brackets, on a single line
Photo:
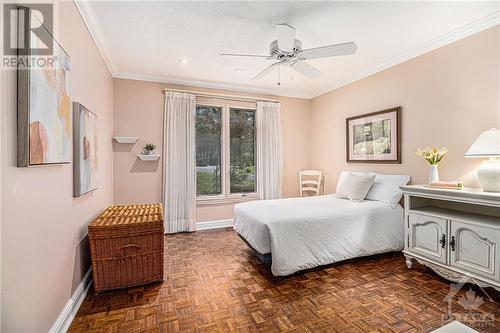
[(433, 174)]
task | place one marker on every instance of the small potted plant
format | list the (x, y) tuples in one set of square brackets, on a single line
[(433, 157), (149, 149)]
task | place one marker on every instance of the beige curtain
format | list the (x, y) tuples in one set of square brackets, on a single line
[(179, 162), (269, 150)]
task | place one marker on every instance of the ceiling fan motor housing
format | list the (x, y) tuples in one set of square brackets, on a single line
[(282, 55)]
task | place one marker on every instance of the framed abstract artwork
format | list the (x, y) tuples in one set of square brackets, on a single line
[(44, 105), (85, 145), (374, 137)]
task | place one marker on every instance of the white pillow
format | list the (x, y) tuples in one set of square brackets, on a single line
[(386, 188), (355, 188), (344, 174)]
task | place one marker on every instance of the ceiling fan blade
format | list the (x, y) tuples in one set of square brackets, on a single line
[(305, 69), (286, 37), (242, 55), (329, 51), (265, 71)]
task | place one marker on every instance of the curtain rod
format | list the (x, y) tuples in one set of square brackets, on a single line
[(237, 98)]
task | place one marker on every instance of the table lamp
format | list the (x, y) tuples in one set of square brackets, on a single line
[(487, 145)]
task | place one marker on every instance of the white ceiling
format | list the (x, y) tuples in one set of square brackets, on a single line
[(145, 40)]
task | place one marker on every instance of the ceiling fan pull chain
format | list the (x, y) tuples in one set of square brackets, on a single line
[(279, 80)]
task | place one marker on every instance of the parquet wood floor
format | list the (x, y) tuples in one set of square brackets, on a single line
[(213, 283)]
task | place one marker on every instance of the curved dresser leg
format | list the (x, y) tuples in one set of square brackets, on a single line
[(409, 263)]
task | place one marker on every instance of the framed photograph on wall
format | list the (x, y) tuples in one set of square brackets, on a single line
[(84, 150), (43, 97), (374, 137)]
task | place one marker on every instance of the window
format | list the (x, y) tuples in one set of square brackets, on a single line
[(242, 150), (225, 152), (208, 150)]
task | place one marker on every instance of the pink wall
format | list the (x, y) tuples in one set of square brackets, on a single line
[(44, 248), (138, 112), (1, 188), (448, 97)]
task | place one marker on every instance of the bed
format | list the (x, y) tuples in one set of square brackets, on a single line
[(302, 233)]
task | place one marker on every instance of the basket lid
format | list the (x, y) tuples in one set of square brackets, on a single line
[(129, 214)]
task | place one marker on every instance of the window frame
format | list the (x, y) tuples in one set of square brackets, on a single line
[(226, 196)]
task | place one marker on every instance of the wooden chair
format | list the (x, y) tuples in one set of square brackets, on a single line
[(311, 181)]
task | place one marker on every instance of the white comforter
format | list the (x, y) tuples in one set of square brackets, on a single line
[(307, 232)]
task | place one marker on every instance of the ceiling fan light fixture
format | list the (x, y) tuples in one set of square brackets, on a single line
[(286, 50)]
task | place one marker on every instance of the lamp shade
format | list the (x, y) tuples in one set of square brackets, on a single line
[(486, 145)]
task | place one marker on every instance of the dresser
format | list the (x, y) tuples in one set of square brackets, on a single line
[(456, 233)]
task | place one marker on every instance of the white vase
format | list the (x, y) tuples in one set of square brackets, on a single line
[(433, 174)]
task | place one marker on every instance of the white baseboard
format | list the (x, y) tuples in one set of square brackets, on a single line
[(71, 308), (214, 224)]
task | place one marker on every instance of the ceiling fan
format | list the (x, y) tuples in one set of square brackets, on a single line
[(286, 50)]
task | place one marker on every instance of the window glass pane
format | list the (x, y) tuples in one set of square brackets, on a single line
[(208, 150), (242, 150)]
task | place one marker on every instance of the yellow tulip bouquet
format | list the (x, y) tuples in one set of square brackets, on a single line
[(432, 155)]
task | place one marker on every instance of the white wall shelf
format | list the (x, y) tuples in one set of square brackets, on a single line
[(126, 139), (149, 158)]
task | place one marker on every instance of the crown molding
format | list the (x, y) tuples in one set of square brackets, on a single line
[(93, 26), (453, 36), (211, 85), (92, 23)]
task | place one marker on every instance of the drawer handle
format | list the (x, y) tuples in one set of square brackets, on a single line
[(442, 241), (122, 250), (452, 243)]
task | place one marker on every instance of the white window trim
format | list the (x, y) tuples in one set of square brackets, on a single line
[(226, 197), (221, 200)]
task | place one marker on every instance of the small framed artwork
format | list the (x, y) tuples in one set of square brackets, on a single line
[(374, 137), (84, 150), (43, 99)]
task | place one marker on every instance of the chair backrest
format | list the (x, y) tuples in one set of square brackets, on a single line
[(311, 181)]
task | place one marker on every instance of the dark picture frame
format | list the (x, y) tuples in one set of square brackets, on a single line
[(383, 147)]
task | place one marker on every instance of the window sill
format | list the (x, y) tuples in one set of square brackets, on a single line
[(219, 200)]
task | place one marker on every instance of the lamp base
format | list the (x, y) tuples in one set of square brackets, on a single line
[(489, 175)]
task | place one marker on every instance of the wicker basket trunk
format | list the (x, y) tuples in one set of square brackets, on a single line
[(126, 245)]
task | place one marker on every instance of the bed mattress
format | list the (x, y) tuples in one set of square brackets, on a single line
[(302, 233)]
